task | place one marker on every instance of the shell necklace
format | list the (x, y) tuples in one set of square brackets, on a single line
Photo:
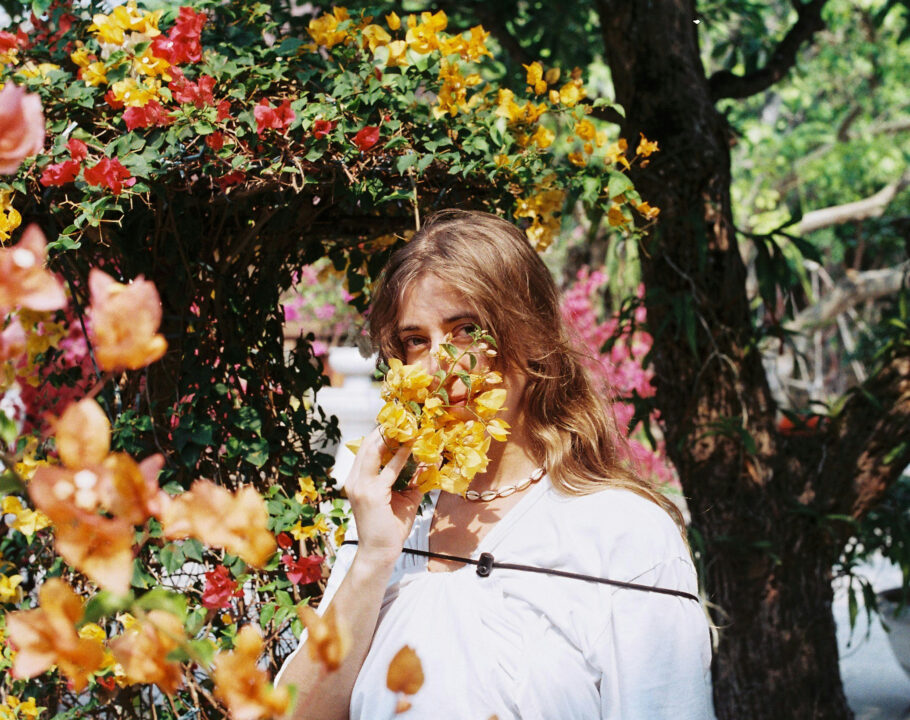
[(488, 495)]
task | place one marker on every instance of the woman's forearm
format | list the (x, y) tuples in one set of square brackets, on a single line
[(327, 696)]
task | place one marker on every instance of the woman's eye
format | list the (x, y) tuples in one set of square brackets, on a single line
[(412, 342), (465, 331)]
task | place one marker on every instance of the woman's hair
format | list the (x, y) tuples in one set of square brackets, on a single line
[(571, 427)]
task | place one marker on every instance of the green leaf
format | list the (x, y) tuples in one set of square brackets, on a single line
[(167, 600), (405, 161), (105, 604), (618, 184)]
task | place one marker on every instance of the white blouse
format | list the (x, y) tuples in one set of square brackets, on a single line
[(523, 645)]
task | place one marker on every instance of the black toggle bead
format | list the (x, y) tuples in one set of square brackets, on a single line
[(485, 564)]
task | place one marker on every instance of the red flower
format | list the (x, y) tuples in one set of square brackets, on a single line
[(224, 110), (152, 113), (367, 138), (268, 117), (305, 570), (321, 128), (8, 41), (232, 178), (112, 101), (110, 174), (215, 140), (199, 93), (78, 149), (182, 43), (284, 540), (106, 682), (220, 587), (60, 174)]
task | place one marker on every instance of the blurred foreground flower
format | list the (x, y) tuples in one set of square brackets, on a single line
[(23, 280), (21, 127), (47, 636), (216, 516), (242, 686), (329, 639), (143, 650), (125, 320)]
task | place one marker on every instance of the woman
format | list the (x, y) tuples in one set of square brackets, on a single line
[(516, 643)]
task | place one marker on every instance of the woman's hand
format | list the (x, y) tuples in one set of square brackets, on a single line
[(383, 516)]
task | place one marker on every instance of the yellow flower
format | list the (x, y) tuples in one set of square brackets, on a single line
[(9, 588), (133, 94), (397, 53), (616, 153), (106, 29), (339, 535), (308, 532), (423, 37), (452, 95), (10, 218), (498, 429), (543, 137), (324, 29), (490, 402), (15, 709), (615, 216), (129, 17), (571, 93), (578, 159), (152, 65), (127, 620), (31, 70), (429, 446), (397, 422), (535, 78), (27, 521), (585, 130), (92, 631), (80, 56), (476, 46), (393, 21), (406, 382), (647, 211), (375, 37), (307, 490), (552, 76), (646, 147), (94, 74)]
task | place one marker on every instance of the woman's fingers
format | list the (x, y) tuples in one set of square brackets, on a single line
[(397, 463)]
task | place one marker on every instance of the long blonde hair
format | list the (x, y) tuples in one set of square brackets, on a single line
[(572, 429)]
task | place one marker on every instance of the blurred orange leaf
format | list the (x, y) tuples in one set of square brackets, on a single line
[(83, 434)]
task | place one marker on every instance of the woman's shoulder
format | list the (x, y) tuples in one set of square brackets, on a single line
[(619, 521)]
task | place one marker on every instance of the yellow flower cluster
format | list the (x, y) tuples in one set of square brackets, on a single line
[(451, 444), (27, 521), (542, 208), (453, 94), (424, 34), (16, 709), (124, 29)]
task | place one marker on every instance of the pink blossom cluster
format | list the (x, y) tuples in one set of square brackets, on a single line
[(620, 366)]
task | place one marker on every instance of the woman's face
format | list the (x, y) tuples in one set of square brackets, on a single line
[(433, 312)]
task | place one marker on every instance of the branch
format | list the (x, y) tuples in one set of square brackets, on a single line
[(868, 446), (852, 290), (725, 84), (872, 206)]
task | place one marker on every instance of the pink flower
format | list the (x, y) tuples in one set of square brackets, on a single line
[(220, 587), (321, 128), (325, 311), (60, 174), (12, 341), (150, 114), (78, 149), (21, 127), (305, 570)]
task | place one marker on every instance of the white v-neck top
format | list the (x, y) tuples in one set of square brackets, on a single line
[(522, 645)]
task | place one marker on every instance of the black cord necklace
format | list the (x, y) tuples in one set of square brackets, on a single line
[(486, 564)]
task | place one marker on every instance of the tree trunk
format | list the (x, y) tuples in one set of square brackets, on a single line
[(767, 560)]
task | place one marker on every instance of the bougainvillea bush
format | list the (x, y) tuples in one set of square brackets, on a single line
[(166, 496)]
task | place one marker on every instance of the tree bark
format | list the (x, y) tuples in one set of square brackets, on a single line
[(754, 494)]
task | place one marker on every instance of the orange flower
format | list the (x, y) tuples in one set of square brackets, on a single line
[(125, 320), (47, 636), (130, 491), (98, 546), (242, 686), (217, 517), (405, 672), (23, 280), (646, 147), (329, 639), (83, 434), (143, 649)]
